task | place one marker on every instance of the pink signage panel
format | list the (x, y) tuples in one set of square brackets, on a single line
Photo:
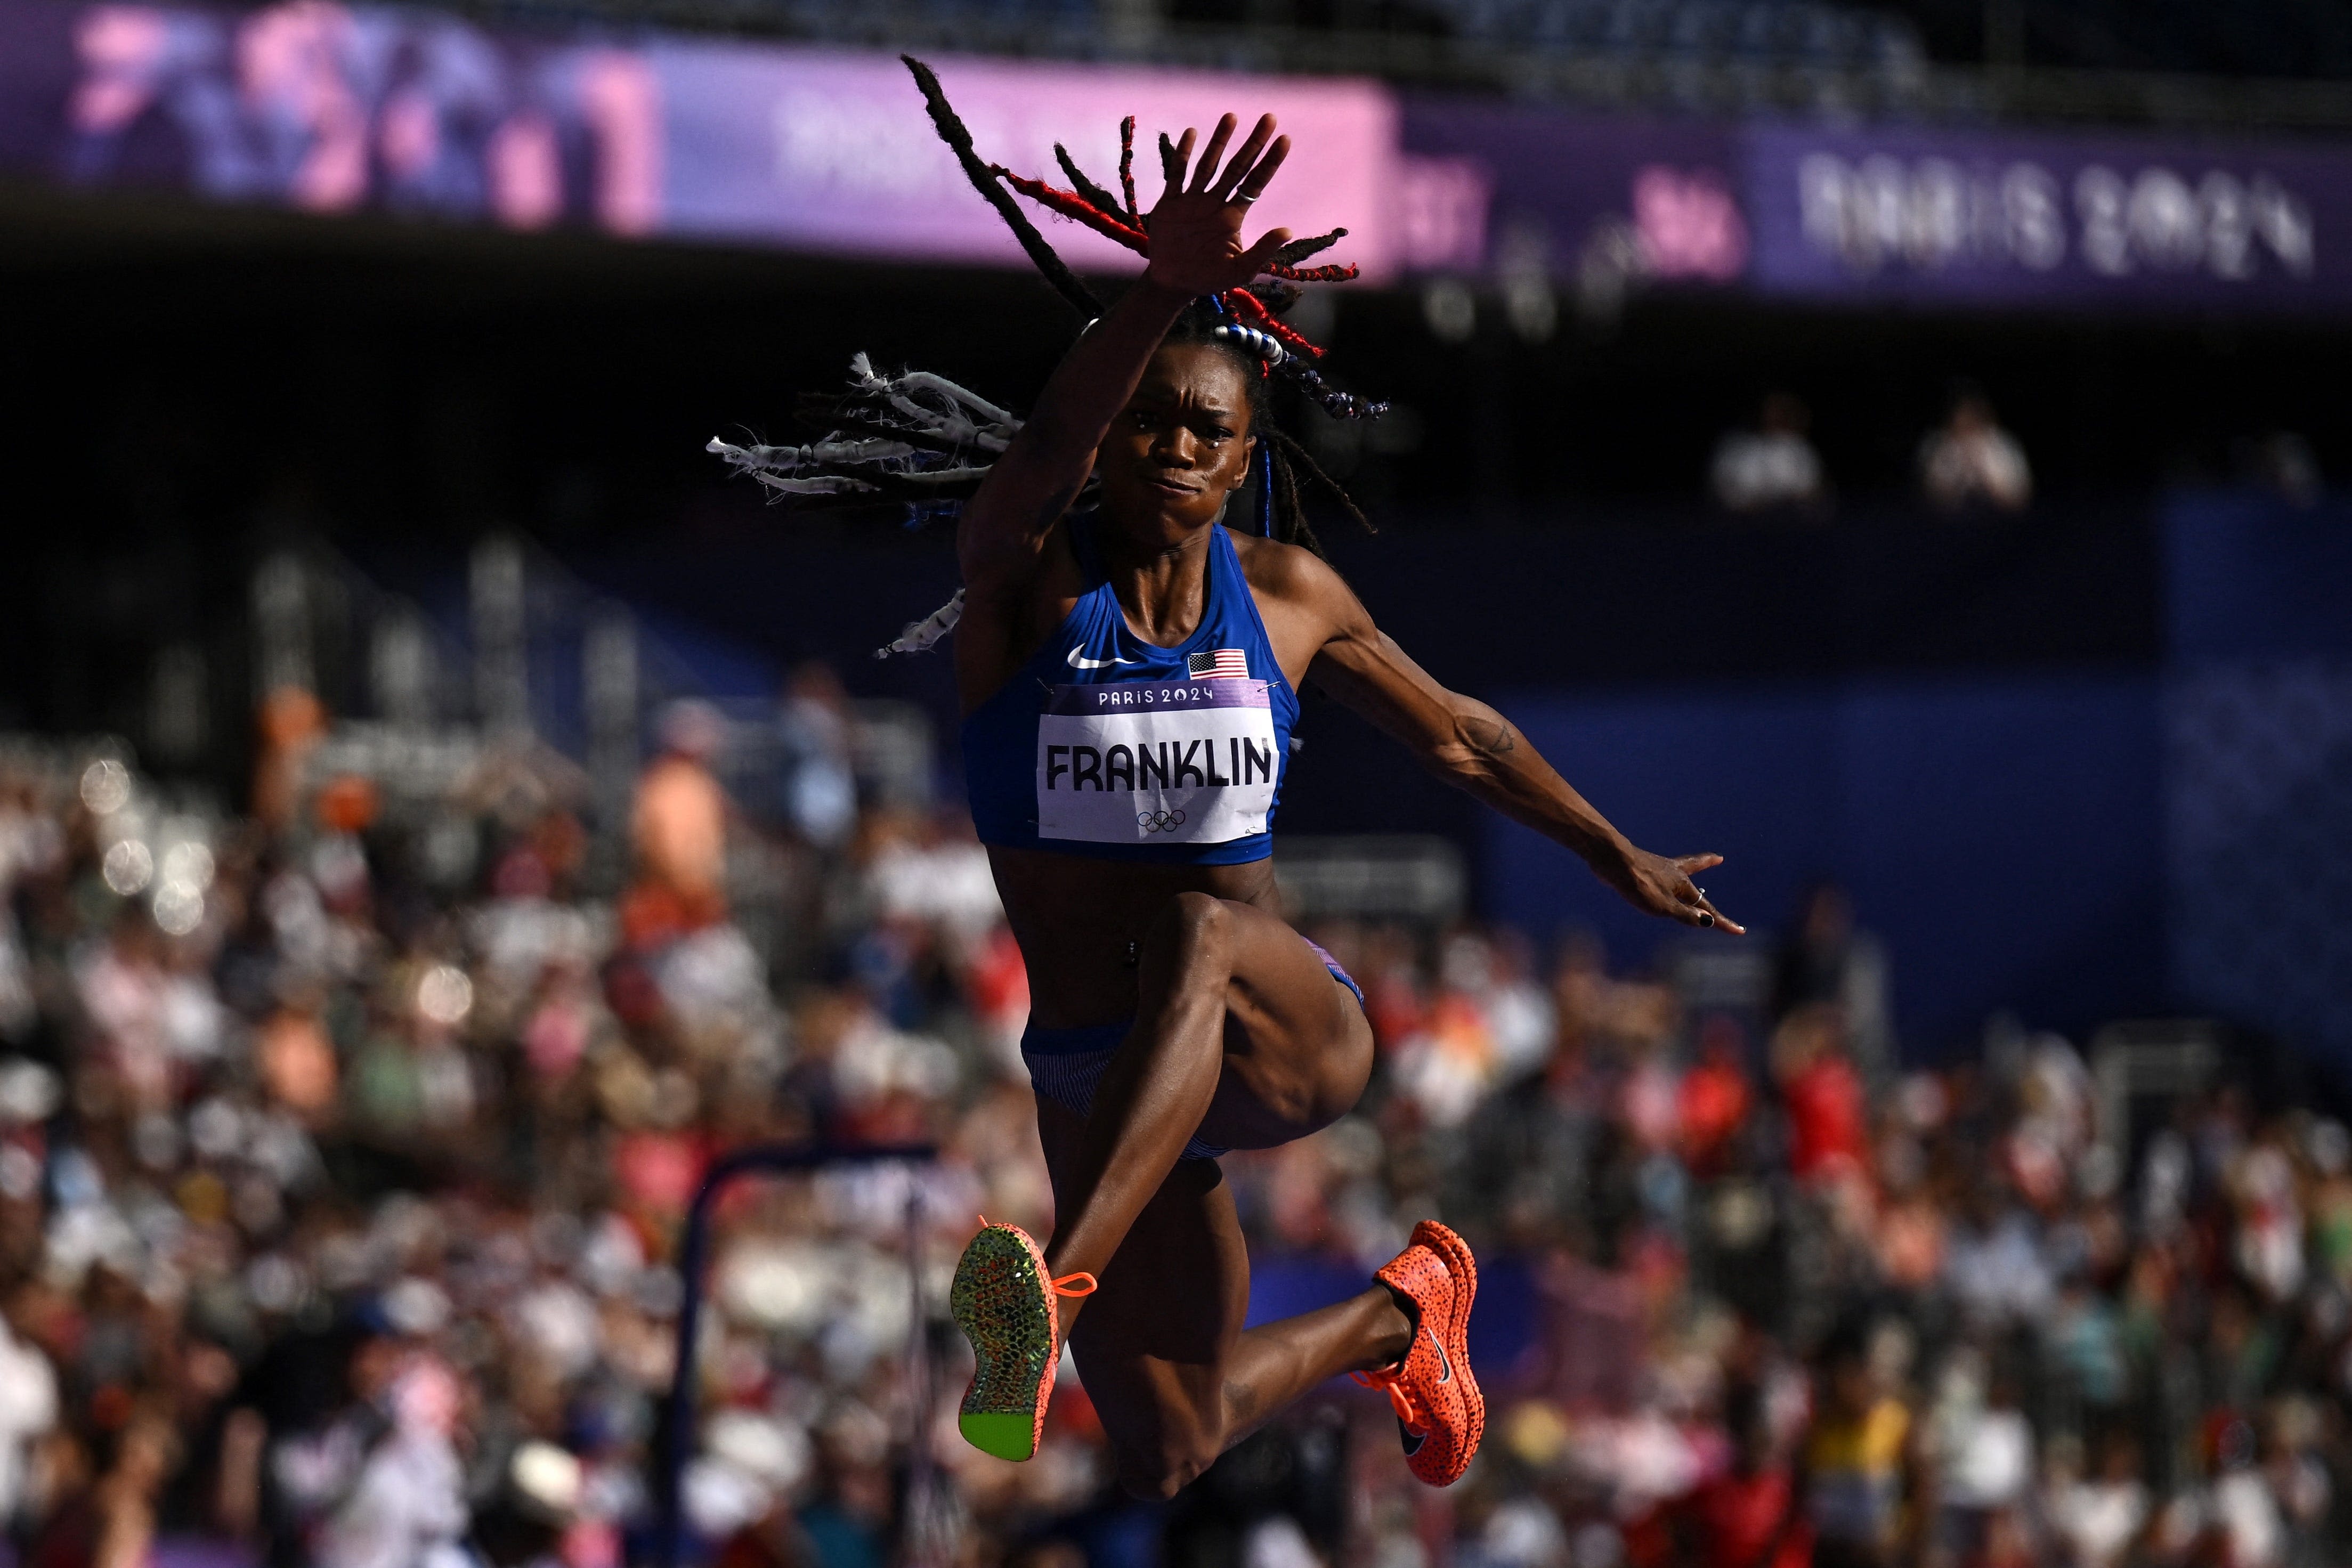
[(832, 151)]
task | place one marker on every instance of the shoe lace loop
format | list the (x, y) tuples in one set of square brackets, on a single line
[(1080, 1283), (1408, 1410)]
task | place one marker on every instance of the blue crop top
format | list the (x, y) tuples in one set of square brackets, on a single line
[(1112, 747)]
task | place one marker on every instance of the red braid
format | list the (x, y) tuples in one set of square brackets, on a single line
[(1343, 272), (1242, 302), (1070, 204)]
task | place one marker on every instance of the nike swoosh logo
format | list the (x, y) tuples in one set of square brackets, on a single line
[(1077, 662), (1445, 1366)]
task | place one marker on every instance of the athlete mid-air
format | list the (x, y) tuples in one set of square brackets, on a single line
[(1129, 664)]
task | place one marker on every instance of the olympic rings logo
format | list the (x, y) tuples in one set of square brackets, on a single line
[(1159, 821)]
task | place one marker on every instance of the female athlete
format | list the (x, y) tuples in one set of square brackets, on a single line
[(1129, 672), (1174, 1014)]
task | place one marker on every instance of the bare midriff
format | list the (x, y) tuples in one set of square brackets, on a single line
[(1078, 922)]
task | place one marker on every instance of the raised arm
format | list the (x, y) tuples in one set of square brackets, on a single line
[(1472, 747), (1196, 248)]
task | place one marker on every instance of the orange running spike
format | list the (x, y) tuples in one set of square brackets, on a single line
[(1441, 1414)]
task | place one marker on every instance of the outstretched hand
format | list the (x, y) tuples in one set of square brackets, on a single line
[(1657, 884), (1196, 228)]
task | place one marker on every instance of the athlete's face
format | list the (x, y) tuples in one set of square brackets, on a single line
[(1179, 447)]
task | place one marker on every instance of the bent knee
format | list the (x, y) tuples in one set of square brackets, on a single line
[(1159, 1474)]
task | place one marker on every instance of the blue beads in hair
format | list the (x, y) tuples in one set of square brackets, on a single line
[(1264, 345)]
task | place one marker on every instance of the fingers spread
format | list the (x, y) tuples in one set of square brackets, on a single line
[(1205, 170), (1245, 157), (1259, 178)]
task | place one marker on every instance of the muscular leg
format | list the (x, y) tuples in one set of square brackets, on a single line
[(1174, 1374), (1241, 1035)]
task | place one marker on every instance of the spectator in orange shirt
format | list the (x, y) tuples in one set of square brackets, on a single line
[(679, 824)]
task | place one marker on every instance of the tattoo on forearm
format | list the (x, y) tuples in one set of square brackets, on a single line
[(1241, 1403), (1490, 737)]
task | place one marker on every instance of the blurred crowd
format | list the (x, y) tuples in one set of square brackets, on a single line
[(1968, 464), (1789, 1304), (346, 1145)]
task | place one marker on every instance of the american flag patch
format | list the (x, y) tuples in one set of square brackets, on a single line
[(1218, 664)]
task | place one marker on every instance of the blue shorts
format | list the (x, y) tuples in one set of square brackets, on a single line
[(1065, 1064)]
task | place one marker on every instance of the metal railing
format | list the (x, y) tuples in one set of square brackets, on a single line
[(679, 1417)]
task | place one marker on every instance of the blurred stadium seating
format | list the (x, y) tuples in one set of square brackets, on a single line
[(438, 812)]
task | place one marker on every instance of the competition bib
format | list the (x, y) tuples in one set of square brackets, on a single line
[(1138, 762)]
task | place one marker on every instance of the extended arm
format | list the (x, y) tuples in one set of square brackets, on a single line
[(1472, 747), (1004, 525), (1195, 249)]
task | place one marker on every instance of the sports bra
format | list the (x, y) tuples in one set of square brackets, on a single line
[(1110, 748)]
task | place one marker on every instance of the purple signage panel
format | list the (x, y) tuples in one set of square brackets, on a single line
[(334, 108), (331, 107), (1567, 193), (37, 72), (832, 151), (1981, 217)]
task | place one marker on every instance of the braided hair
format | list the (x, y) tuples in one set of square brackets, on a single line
[(922, 444)]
